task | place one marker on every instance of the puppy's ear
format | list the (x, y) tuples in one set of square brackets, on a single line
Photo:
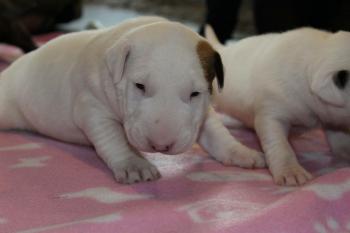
[(115, 59), (219, 70), (329, 88), (211, 64)]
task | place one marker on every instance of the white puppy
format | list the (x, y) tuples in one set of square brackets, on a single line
[(141, 86), (297, 78)]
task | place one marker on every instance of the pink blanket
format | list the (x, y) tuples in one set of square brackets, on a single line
[(49, 186)]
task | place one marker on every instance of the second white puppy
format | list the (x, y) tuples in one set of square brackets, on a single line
[(276, 81)]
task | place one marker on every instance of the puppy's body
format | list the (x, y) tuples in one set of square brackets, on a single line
[(60, 74), (140, 86), (277, 81)]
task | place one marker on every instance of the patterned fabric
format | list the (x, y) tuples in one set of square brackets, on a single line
[(50, 186)]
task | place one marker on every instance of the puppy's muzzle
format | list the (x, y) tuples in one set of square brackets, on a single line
[(161, 148)]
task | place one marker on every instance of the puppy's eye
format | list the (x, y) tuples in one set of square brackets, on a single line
[(140, 87), (194, 94), (341, 78)]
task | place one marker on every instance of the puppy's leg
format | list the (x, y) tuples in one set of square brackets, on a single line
[(218, 142), (108, 137), (280, 156), (231, 122), (112, 146), (339, 141)]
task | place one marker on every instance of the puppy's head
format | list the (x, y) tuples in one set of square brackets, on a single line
[(165, 73), (331, 74)]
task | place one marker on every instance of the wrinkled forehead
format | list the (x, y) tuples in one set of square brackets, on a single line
[(175, 58), (173, 53), (172, 63)]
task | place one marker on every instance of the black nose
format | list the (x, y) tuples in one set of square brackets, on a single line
[(161, 148)]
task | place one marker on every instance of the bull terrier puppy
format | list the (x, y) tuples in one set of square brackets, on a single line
[(142, 86), (296, 78)]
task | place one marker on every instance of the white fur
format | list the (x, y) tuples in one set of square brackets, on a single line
[(276, 81), (80, 88)]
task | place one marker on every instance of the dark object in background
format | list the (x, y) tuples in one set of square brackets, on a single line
[(275, 15), (21, 18), (278, 16), (222, 15)]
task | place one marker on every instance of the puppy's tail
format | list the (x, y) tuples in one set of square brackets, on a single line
[(210, 35)]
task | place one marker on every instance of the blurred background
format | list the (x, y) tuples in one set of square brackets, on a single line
[(21, 19)]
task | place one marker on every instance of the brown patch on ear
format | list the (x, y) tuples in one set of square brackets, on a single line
[(211, 64)]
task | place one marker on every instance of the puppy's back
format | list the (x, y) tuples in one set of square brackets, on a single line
[(264, 64), (57, 69)]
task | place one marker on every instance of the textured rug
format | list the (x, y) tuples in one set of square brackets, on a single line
[(49, 186)]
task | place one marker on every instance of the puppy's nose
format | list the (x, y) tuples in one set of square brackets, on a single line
[(161, 148)]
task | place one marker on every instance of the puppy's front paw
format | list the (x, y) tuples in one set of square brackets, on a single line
[(133, 170), (242, 157), (290, 175)]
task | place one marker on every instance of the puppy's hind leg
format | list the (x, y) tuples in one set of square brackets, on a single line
[(339, 141), (280, 157)]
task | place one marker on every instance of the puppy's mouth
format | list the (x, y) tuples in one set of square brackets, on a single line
[(164, 149), (174, 150), (171, 150), (140, 142)]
